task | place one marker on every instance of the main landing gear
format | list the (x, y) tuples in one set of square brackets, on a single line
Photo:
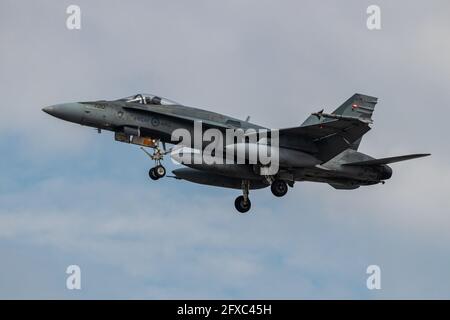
[(279, 188), (242, 203), (158, 171)]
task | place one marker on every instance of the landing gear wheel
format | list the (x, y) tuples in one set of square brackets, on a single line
[(279, 188), (241, 205), (160, 171), (152, 174)]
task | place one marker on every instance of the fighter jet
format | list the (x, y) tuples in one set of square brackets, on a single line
[(324, 148)]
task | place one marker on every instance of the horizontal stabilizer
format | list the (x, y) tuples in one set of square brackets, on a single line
[(376, 162)]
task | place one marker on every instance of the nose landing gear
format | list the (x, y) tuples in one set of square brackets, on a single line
[(158, 171)]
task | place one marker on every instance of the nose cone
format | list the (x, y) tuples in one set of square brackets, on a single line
[(67, 111), (48, 110)]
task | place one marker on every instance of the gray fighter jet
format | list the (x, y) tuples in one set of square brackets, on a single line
[(322, 149)]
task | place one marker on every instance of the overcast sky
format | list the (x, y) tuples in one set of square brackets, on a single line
[(71, 196)]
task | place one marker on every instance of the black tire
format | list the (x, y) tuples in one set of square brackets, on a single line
[(279, 188), (241, 206), (152, 174), (160, 171)]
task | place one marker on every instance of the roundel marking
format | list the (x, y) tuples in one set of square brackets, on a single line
[(155, 122)]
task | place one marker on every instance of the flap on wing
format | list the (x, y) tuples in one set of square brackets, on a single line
[(382, 161)]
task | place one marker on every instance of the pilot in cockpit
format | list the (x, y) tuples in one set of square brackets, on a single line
[(152, 100)]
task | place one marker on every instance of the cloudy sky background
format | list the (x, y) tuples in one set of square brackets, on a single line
[(71, 196)]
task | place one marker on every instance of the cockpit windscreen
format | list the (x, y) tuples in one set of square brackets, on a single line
[(144, 98)]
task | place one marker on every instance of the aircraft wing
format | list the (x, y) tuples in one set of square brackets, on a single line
[(331, 136), (340, 130), (348, 128)]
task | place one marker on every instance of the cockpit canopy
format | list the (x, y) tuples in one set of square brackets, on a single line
[(144, 98)]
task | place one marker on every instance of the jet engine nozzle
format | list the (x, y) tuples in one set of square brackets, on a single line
[(385, 172)]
